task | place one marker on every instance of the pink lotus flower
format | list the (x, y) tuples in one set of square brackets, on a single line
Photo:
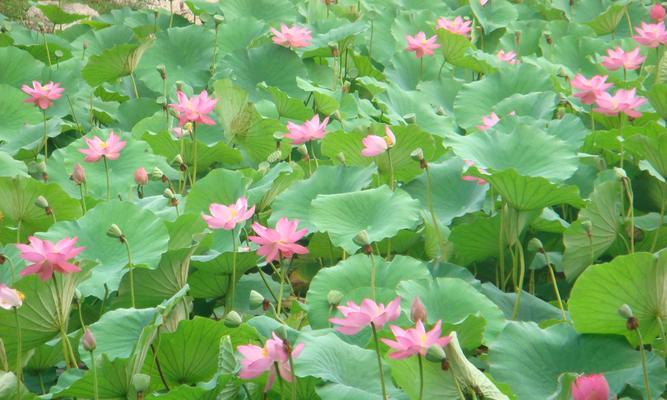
[(509, 57), (475, 179), (194, 109), (10, 298), (623, 101), (357, 317), (227, 217), (657, 12), (488, 122), (651, 35), (294, 37), (457, 25), (375, 145), (98, 148), (310, 130), (415, 340), (257, 360), (617, 59), (141, 176), (47, 258), (590, 387), (78, 174), (279, 242), (42, 96), (420, 45), (590, 89)]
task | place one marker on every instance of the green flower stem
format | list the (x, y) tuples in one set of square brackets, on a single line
[(76, 120), (46, 137), (106, 171), (134, 86), (552, 276), (391, 170), (280, 381), (83, 198), (48, 53), (282, 272), (522, 271), (592, 120), (644, 366), (94, 369), (379, 357), (663, 338), (501, 248), (373, 272), (291, 366), (421, 68), (67, 352), (19, 349), (312, 150), (631, 213), (429, 201), (18, 230), (131, 267), (231, 287), (266, 283), (194, 153), (421, 376)]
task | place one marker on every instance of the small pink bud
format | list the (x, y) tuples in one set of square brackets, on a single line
[(417, 310), (88, 340), (78, 174), (657, 12), (590, 387), (141, 176)]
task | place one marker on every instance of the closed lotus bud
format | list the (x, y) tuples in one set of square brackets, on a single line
[(85, 44), (140, 176), (162, 70), (410, 118), (157, 174), (417, 311), (303, 150), (535, 245), (169, 194), (337, 115), (361, 238), (114, 231), (255, 299), (334, 297), (78, 174), (233, 319), (657, 12), (141, 382), (42, 203), (88, 340), (435, 353), (275, 156)]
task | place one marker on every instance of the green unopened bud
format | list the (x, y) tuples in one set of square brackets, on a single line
[(114, 231), (233, 319), (88, 340), (340, 156), (141, 382), (275, 156), (625, 311), (417, 154), (337, 115), (535, 245), (85, 44), (42, 203), (435, 353), (361, 238), (334, 297), (169, 194), (162, 70), (410, 118), (157, 174), (255, 299)]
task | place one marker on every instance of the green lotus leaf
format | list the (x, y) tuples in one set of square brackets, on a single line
[(18, 67), (494, 15), (15, 116)]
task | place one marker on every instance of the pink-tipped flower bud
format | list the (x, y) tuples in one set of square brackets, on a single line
[(88, 340), (78, 174), (417, 311), (657, 12), (141, 176)]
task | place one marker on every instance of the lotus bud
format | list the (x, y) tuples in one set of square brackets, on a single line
[(340, 156), (263, 167), (233, 319), (162, 70), (141, 176), (41, 168), (157, 174), (334, 297), (535, 245), (114, 231), (657, 12), (410, 118), (88, 340), (78, 174), (435, 353), (255, 299), (85, 44), (303, 150), (141, 382), (275, 156), (417, 311)]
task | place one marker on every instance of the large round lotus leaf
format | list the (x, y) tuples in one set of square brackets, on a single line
[(17, 203), (237, 34), (98, 40), (15, 116), (344, 215), (530, 360), (530, 152), (352, 278), (146, 234), (494, 15), (638, 280), (186, 53), (295, 202), (452, 196), (408, 139), (134, 155), (480, 98), (349, 371), (18, 67), (266, 10), (452, 300), (575, 54), (10, 167)]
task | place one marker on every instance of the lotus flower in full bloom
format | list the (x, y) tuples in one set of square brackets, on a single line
[(47, 258), (420, 45), (590, 89), (623, 101), (279, 242), (488, 122), (42, 95), (375, 145), (257, 360), (415, 340), (10, 298), (590, 387), (227, 217), (98, 148), (509, 57), (310, 130), (617, 59), (194, 109), (657, 12), (457, 25), (651, 35), (357, 317), (294, 37)]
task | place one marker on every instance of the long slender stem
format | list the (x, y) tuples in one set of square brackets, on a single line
[(106, 171), (421, 376), (46, 138), (663, 338), (18, 230), (291, 367), (94, 369), (644, 365), (266, 283), (231, 288), (555, 285), (194, 153), (662, 221), (312, 150), (421, 68), (373, 272), (76, 120), (429, 201), (131, 267), (631, 214), (281, 290), (379, 357), (134, 86), (501, 247), (83, 199), (592, 119), (391, 170), (19, 350), (519, 289)]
